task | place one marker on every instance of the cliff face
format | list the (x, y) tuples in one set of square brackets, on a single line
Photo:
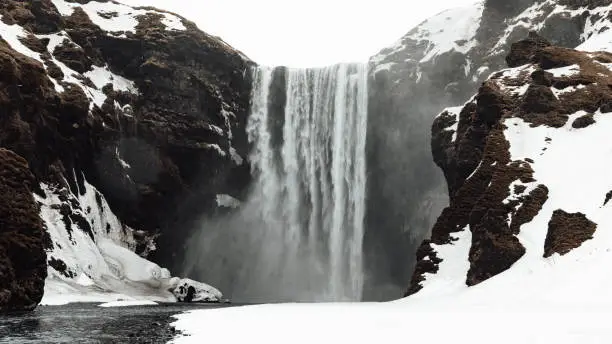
[(132, 106), (525, 161), (436, 65), (23, 265)]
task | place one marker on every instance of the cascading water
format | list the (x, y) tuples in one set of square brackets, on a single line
[(299, 235)]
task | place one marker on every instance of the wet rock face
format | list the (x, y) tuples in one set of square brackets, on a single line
[(23, 266), (194, 98), (508, 7), (566, 232)]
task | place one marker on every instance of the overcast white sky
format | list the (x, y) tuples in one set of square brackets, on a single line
[(306, 32)]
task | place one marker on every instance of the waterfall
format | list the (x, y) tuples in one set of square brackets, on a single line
[(299, 235)]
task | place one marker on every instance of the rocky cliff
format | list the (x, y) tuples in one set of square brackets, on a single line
[(438, 64), (110, 110), (526, 161)]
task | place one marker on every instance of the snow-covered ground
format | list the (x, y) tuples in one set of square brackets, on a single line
[(562, 299)]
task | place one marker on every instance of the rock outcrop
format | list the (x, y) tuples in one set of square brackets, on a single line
[(135, 103), (567, 232), (505, 154), (23, 266), (438, 64)]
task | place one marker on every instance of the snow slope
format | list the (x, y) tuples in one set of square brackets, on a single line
[(452, 29), (92, 256)]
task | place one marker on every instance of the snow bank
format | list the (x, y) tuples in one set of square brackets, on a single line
[(391, 323), (127, 304), (598, 42), (92, 258)]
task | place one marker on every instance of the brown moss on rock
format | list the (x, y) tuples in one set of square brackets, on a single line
[(427, 262), (40, 16), (566, 232), (583, 121), (608, 198), (542, 77), (73, 56), (539, 99), (34, 43), (54, 70), (531, 205), (523, 52), (23, 266)]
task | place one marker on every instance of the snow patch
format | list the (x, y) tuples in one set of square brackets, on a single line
[(227, 201), (11, 34), (450, 30), (570, 89), (115, 17), (128, 303), (454, 112), (236, 158), (453, 269), (565, 71), (101, 76), (598, 42)]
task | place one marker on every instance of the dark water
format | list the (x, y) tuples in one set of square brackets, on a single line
[(88, 323)]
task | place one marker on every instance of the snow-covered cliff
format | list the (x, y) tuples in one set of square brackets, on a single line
[(436, 65), (132, 123), (527, 164)]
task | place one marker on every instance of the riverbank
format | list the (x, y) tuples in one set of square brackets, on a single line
[(84, 323)]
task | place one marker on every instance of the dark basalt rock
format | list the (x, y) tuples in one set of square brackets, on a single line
[(608, 198), (566, 232), (583, 121), (73, 56), (539, 99), (531, 206), (23, 266), (525, 51), (542, 77), (606, 107), (492, 253), (427, 262), (39, 16)]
